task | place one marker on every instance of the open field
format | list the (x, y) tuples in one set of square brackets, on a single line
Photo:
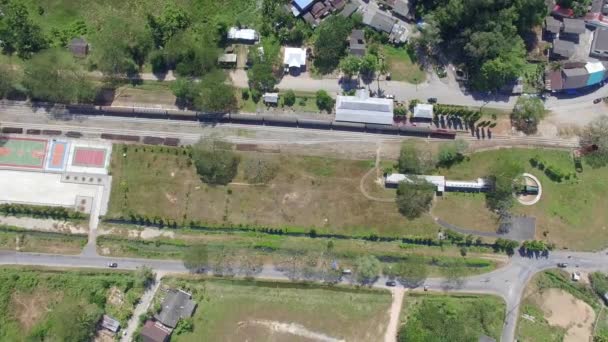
[(401, 65), (233, 310), (557, 309), (571, 213), (307, 192), (45, 304), (438, 317), (154, 95), (305, 103), (234, 247), (17, 239)]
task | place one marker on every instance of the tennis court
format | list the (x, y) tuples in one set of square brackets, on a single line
[(22, 152), (89, 157)]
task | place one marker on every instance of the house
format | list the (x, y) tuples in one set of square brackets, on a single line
[(573, 27), (380, 22), (227, 60), (574, 78), (320, 10), (552, 26), (599, 46), (365, 109), (110, 323), (248, 36), (300, 6), (271, 98), (294, 60), (357, 43), (442, 185), (176, 305), (155, 332), (349, 9), (563, 49), (423, 111), (337, 4), (310, 20), (401, 8), (79, 47)]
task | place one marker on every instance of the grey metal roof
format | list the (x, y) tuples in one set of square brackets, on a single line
[(574, 26), (227, 58), (575, 78), (382, 22), (553, 25), (401, 8), (177, 304), (349, 9), (600, 40), (564, 48), (357, 43), (364, 109)]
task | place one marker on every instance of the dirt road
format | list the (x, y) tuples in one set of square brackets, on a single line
[(393, 324)]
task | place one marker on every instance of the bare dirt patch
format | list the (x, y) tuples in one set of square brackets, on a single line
[(116, 297), (30, 308), (564, 310), (45, 225)]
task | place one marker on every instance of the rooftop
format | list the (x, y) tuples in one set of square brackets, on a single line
[(154, 332), (574, 26), (176, 305), (294, 57), (380, 22), (357, 43), (564, 48), (423, 111), (303, 5), (401, 8), (271, 97), (553, 25), (362, 108), (349, 9), (599, 47), (575, 78), (234, 33), (227, 58)]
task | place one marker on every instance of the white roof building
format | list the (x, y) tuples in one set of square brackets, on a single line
[(423, 111), (271, 97), (234, 33), (362, 108), (440, 182), (294, 57)]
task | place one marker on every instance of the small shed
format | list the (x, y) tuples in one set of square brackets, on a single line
[(552, 25), (357, 43), (295, 59), (79, 47), (423, 111), (155, 332), (227, 59), (401, 8), (563, 48), (574, 26), (242, 35), (271, 98), (531, 189), (110, 323)]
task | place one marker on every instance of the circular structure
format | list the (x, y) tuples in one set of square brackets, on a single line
[(527, 197)]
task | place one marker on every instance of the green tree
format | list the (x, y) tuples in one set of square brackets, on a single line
[(54, 76), (369, 64), (324, 101), (349, 65), (8, 81), (145, 275), (527, 114), (368, 268), (451, 153), (289, 98), (216, 98), (214, 165), (596, 134), (196, 258), (261, 77), (414, 197), (330, 42), (412, 272), (73, 321), (185, 91), (414, 160), (18, 33), (173, 20), (502, 175)]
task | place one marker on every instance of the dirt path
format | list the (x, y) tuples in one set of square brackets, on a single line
[(141, 308), (564, 310), (376, 168), (393, 324)]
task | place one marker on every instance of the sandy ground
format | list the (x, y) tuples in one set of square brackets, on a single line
[(144, 233), (46, 225), (395, 313), (564, 310)]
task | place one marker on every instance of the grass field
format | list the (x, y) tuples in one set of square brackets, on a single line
[(305, 102), (273, 249), (45, 304), (571, 213), (553, 304), (435, 317), (402, 66), (241, 310), (308, 192), (40, 242)]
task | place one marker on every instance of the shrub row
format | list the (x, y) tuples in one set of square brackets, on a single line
[(59, 213), (553, 172)]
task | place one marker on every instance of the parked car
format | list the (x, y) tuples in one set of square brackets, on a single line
[(596, 101), (347, 272), (562, 265), (112, 264), (391, 283), (390, 96), (432, 100)]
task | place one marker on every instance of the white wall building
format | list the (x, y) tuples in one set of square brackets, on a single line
[(423, 111), (365, 109), (443, 185), (243, 35), (294, 59)]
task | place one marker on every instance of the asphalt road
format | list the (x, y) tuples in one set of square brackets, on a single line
[(507, 282)]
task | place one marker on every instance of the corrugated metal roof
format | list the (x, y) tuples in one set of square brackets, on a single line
[(575, 78), (423, 111), (364, 109)]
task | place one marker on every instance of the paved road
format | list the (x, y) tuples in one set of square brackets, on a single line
[(507, 282)]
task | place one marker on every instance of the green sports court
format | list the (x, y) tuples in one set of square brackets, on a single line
[(20, 152)]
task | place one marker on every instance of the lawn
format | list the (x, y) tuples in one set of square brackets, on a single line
[(233, 310), (307, 192), (305, 103), (571, 213), (233, 248), (402, 65), (437, 317), (12, 238), (45, 304)]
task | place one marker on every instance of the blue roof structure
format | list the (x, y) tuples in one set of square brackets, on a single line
[(303, 5), (595, 78)]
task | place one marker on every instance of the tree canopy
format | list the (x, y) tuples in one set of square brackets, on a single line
[(196, 258), (215, 165), (18, 33), (413, 160), (324, 101), (368, 268), (502, 175), (527, 114), (350, 65), (330, 42), (596, 133), (486, 36), (54, 76), (414, 198)]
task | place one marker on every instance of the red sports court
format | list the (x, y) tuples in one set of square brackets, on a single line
[(89, 157)]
